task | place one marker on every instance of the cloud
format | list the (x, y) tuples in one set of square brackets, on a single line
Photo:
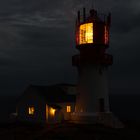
[(5, 60), (37, 40)]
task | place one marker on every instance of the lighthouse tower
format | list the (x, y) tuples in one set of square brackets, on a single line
[(92, 41)]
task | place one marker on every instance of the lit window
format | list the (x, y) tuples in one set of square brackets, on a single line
[(86, 33), (68, 109), (106, 35), (31, 110), (52, 111)]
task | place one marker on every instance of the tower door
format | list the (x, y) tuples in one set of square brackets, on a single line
[(101, 105)]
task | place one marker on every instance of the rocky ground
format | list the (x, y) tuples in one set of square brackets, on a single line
[(68, 131)]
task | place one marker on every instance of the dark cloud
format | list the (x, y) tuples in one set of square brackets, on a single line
[(37, 42), (5, 60)]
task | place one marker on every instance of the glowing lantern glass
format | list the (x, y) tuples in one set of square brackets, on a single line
[(106, 35), (86, 33)]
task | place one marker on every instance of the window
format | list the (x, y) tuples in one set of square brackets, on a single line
[(106, 35), (31, 110), (86, 33), (52, 111), (68, 109)]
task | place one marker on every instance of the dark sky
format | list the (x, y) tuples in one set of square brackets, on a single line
[(37, 42)]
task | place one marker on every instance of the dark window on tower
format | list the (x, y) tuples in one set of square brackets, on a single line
[(102, 105)]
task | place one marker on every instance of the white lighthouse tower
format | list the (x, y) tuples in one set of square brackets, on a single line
[(92, 40)]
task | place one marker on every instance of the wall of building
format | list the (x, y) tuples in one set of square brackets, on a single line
[(43, 112), (31, 100), (53, 115), (67, 115), (93, 89)]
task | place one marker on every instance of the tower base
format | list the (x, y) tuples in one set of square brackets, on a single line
[(105, 118)]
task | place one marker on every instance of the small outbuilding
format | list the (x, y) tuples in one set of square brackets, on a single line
[(49, 104)]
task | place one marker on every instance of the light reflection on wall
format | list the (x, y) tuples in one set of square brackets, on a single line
[(106, 35), (52, 111)]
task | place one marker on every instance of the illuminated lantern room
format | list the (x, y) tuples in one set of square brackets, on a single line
[(92, 29), (86, 33)]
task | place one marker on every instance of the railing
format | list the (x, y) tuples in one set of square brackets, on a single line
[(100, 16), (105, 59)]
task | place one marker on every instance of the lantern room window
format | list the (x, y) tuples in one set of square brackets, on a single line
[(106, 35), (68, 109), (86, 33), (31, 110)]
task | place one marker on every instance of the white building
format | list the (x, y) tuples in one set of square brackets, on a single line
[(49, 104)]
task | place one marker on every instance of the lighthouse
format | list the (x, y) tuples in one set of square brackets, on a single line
[(92, 40)]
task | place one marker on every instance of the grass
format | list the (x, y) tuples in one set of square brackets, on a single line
[(68, 131)]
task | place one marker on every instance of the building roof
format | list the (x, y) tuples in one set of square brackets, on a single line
[(52, 94), (65, 84)]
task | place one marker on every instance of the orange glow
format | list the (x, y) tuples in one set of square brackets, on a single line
[(31, 110), (86, 33), (52, 111), (106, 35), (68, 109), (47, 112)]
